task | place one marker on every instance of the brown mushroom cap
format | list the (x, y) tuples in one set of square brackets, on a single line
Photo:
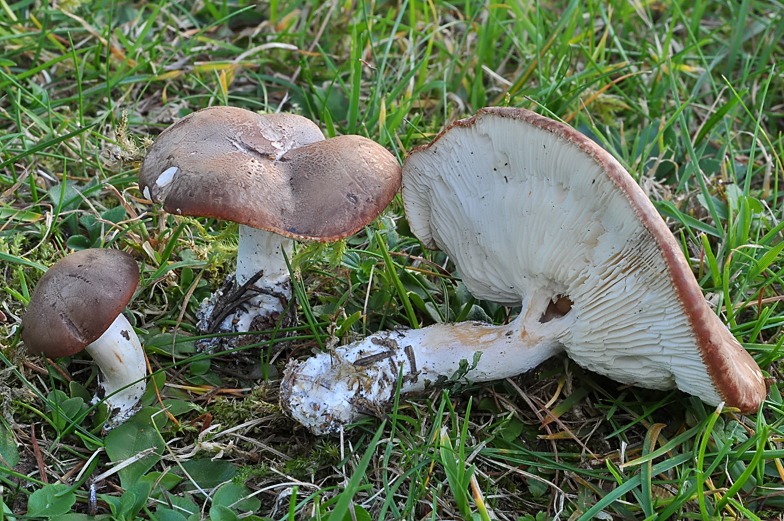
[(77, 300), (274, 172)]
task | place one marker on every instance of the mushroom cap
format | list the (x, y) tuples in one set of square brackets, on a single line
[(524, 204), (77, 300), (274, 172)]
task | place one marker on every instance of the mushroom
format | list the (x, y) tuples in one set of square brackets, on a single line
[(77, 305), (535, 214), (277, 177)]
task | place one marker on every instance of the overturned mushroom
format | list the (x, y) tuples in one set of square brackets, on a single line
[(277, 177), (78, 305), (533, 213)]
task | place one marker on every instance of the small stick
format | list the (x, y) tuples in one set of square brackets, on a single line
[(158, 394), (38, 457)]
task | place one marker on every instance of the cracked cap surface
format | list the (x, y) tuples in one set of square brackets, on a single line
[(275, 172), (77, 300)]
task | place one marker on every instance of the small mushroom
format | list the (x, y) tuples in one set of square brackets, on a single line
[(77, 305), (534, 214), (277, 177)]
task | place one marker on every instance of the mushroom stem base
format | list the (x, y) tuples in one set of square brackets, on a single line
[(120, 357), (335, 388), (255, 299), (256, 306)]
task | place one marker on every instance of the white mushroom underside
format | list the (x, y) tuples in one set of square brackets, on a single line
[(566, 229), (120, 357)]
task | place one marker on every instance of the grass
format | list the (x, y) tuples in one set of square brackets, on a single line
[(688, 96)]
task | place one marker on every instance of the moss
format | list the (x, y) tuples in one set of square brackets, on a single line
[(246, 472), (232, 411), (325, 453)]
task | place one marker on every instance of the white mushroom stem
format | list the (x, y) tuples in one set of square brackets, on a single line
[(120, 357), (258, 251), (335, 388), (262, 250)]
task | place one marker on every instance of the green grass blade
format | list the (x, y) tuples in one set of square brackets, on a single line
[(343, 503), (401, 291)]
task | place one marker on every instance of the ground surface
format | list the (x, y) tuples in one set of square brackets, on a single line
[(688, 97)]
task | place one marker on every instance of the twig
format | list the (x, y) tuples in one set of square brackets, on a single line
[(157, 392), (38, 457)]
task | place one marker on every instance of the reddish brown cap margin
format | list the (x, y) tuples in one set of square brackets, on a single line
[(77, 300), (735, 374), (273, 172)]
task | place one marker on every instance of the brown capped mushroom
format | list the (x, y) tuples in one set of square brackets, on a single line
[(77, 305), (533, 213), (277, 177)]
